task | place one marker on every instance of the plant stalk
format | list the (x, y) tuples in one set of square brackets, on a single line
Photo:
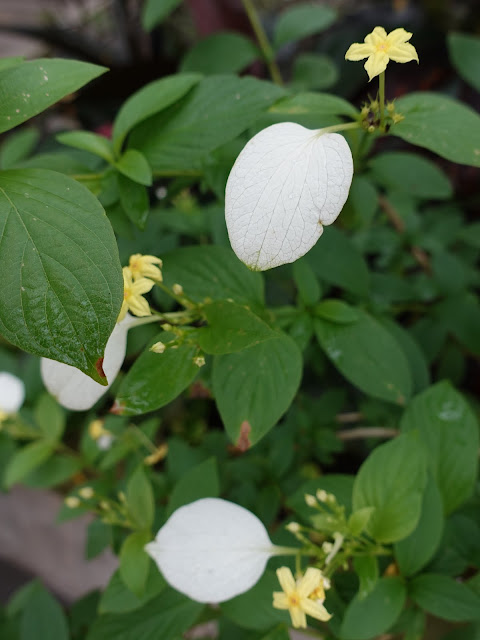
[(264, 43)]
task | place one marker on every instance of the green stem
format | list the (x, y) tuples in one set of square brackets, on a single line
[(172, 317), (381, 99), (286, 551), (265, 46), (338, 127)]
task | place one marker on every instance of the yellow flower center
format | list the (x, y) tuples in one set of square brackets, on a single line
[(383, 46), (293, 600)]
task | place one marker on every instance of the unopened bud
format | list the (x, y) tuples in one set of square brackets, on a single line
[(293, 527), (310, 500), (199, 361), (86, 493), (322, 495), (95, 429), (177, 289), (158, 347), (327, 547), (166, 326), (72, 502), (371, 129)]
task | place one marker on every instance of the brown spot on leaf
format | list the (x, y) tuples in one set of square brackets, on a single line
[(99, 368), (243, 442), (199, 390), (117, 408)]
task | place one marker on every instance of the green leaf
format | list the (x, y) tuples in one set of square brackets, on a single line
[(336, 311), (415, 551), (213, 273), (135, 562), (99, 537), (140, 500), (314, 71), (168, 615), (366, 618), (366, 568), (254, 388), (24, 461), (222, 52), (359, 520), (411, 173), (150, 99), (50, 417), (368, 356), (155, 11), (392, 480), (306, 282), (461, 314), (253, 609), (54, 471), (118, 599), (231, 328), (134, 165), (320, 104), (449, 430), (445, 598), (43, 617), (88, 141), (35, 85), (217, 110), (61, 277), (464, 50), (279, 633), (336, 260), (18, 146), (301, 21), (156, 379), (441, 124), (200, 482), (134, 201), (14, 61)]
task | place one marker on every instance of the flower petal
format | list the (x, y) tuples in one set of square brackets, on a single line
[(359, 51), (142, 285), (398, 36), (139, 306), (378, 36), (376, 64), (123, 311), (299, 619), (12, 393), (280, 600), (286, 579), (73, 389), (211, 550), (309, 582), (315, 609), (403, 53)]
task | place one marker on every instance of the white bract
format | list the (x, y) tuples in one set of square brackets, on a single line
[(286, 183), (12, 393), (72, 388), (212, 550)]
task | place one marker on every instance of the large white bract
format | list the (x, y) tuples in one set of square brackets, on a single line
[(12, 393), (72, 388), (212, 550), (286, 183)]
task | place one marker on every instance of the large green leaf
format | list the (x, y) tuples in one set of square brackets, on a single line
[(301, 21), (449, 430), (26, 460), (156, 378), (368, 617), (166, 616), (135, 562), (440, 124), (200, 482), (221, 52), (314, 103), (150, 99), (254, 388), (392, 480), (367, 355), (216, 111), (118, 599), (336, 260), (213, 273), (231, 328), (61, 277), (43, 617), (445, 598), (464, 50), (140, 499), (30, 87), (415, 551)]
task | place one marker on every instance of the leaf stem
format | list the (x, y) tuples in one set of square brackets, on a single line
[(264, 43), (338, 127), (381, 99)]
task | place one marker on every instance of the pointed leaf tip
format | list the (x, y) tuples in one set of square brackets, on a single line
[(243, 442)]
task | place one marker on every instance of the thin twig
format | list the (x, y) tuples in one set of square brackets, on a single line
[(349, 417), (367, 432), (264, 43)]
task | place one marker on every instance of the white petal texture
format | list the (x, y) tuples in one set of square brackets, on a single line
[(286, 183), (73, 389), (12, 393), (211, 550)]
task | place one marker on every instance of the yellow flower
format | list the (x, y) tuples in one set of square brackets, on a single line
[(144, 267), (296, 596), (132, 295), (379, 48)]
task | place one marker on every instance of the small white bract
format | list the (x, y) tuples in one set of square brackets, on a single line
[(12, 393), (212, 550), (286, 183), (72, 388)]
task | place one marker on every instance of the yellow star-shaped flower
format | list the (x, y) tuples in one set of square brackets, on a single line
[(296, 596), (144, 267), (379, 48), (132, 295)]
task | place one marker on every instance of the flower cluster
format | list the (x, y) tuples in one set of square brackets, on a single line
[(302, 597), (138, 278)]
